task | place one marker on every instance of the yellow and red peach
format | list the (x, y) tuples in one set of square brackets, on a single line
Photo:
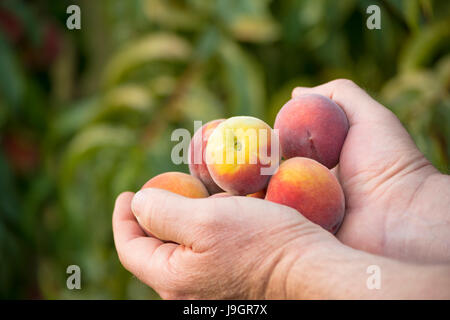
[(239, 155), (180, 183), (310, 188), (312, 126), (197, 149)]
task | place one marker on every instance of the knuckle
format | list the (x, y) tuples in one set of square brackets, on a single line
[(344, 83), (295, 92), (125, 195)]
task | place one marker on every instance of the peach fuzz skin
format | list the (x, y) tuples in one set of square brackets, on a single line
[(312, 126), (260, 194), (198, 144), (231, 138), (310, 188), (179, 183)]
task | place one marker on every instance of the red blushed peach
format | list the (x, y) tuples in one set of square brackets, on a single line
[(312, 126), (310, 188), (197, 163), (180, 183), (239, 155)]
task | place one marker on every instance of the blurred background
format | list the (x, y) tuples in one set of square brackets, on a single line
[(86, 114)]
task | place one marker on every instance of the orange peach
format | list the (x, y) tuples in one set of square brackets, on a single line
[(310, 188), (312, 126), (180, 183), (260, 194), (197, 163), (239, 155)]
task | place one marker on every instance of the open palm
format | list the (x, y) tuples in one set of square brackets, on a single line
[(385, 180)]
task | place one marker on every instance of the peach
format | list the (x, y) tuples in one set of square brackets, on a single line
[(260, 194), (221, 195), (312, 126), (239, 155), (309, 187), (180, 183), (197, 163)]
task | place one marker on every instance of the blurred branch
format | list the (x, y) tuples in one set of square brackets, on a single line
[(396, 15)]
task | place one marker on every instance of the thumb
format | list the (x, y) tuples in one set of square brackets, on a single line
[(169, 216)]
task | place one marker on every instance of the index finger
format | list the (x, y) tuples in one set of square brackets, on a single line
[(357, 104), (143, 256)]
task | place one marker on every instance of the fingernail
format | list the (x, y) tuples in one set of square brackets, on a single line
[(138, 202)]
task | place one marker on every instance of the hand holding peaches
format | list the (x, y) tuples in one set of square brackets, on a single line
[(238, 157), (220, 239)]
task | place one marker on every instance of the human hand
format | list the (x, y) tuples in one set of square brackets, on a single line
[(397, 203), (236, 247), (247, 248), (241, 247)]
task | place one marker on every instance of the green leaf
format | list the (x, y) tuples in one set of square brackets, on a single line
[(421, 48), (243, 80), (172, 15), (125, 101), (154, 47), (199, 103), (74, 117), (93, 139), (248, 20)]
